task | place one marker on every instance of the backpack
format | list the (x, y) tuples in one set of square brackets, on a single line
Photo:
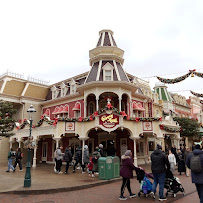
[(195, 164)]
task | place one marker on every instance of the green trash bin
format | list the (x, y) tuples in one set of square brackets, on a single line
[(116, 167), (105, 165)]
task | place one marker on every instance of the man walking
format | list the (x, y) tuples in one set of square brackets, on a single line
[(195, 163), (159, 166)]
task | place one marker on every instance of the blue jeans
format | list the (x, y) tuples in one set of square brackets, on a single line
[(10, 164), (200, 191), (159, 178)]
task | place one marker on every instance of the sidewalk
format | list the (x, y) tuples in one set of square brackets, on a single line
[(44, 180)]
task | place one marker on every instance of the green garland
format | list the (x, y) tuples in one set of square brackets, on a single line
[(196, 94), (169, 129)]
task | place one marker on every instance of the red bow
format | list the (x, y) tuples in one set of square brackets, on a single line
[(192, 70), (160, 119), (80, 119), (96, 113), (109, 106)]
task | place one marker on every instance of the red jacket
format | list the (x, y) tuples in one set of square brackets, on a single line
[(90, 164), (127, 167)]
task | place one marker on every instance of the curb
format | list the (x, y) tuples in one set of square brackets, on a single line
[(57, 190)]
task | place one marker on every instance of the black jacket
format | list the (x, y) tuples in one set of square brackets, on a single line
[(68, 155), (160, 162), (78, 155)]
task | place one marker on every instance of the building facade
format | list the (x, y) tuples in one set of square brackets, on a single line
[(104, 106)]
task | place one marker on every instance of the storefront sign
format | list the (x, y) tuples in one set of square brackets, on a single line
[(70, 126), (109, 120), (147, 126)]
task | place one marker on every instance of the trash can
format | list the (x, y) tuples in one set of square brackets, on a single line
[(109, 167), (116, 167)]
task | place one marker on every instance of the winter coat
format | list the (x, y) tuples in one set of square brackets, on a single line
[(90, 164), (171, 158), (68, 155), (196, 177), (160, 162), (59, 154), (95, 165), (181, 163), (127, 167), (19, 155), (86, 157), (101, 151), (78, 155)]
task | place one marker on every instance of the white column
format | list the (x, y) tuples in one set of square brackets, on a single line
[(11, 144), (83, 144), (35, 154), (135, 153), (97, 104), (19, 144), (120, 99), (85, 108), (57, 142)]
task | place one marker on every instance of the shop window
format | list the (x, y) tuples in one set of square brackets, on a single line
[(140, 148), (151, 145), (77, 114)]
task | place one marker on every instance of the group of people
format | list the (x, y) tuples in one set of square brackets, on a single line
[(16, 157), (84, 160), (161, 164)]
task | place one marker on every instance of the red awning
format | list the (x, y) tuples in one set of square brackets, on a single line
[(46, 113), (76, 107), (55, 110), (60, 110), (138, 107), (65, 109)]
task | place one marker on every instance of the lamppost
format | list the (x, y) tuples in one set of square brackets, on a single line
[(27, 180)]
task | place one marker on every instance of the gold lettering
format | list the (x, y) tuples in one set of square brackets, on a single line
[(109, 119)]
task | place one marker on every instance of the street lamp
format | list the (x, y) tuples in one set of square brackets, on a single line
[(27, 181)]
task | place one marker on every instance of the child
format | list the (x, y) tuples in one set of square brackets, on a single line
[(90, 166)]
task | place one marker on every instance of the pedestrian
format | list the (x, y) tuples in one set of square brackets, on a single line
[(174, 151), (67, 158), (166, 150), (11, 156), (86, 158), (181, 162), (197, 177), (186, 153), (172, 161), (159, 166), (59, 157), (95, 157), (19, 156), (101, 150), (127, 173), (111, 150), (90, 166), (78, 158)]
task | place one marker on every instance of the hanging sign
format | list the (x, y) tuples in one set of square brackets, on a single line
[(70, 126), (147, 126), (109, 120)]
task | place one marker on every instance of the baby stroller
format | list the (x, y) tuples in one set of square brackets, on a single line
[(172, 184), (145, 184)]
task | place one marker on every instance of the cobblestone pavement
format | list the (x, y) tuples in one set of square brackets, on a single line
[(102, 194)]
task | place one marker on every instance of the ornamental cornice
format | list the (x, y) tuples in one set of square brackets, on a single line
[(106, 57)]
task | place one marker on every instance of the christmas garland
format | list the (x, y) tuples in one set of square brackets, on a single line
[(169, 129), (181, 78), (196, 94), (89, 118)]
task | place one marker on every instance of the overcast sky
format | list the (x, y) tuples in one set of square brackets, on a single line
[(51, 40)]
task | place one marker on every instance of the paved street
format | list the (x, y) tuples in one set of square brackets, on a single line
[(103, 193)]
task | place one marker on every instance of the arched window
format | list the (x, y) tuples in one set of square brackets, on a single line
[(91, 108)]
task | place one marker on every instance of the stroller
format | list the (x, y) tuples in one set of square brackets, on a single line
[(172, 184), (145, 184)]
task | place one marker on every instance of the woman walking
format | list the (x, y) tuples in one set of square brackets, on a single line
[(127, 173), (181, 163), (172, 160)]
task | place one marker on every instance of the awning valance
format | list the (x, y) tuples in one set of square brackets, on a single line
[(65, 109), (138, 107), (46, 113), (76, 107)]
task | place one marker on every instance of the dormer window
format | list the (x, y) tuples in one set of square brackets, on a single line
[(72, 87), (64, 89), (55, 92), (108, 72)]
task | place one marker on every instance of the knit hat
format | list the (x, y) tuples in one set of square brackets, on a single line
[(128, 153), (101, 146), (159, 146), (85, 147)]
